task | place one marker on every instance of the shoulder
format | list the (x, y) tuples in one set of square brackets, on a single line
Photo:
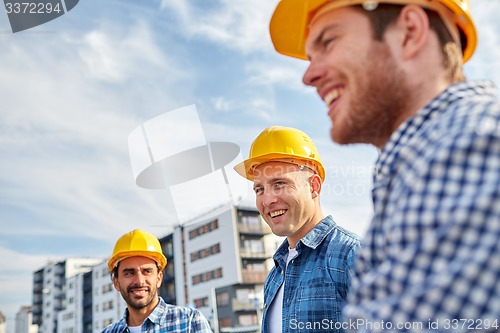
[(180, 311), (340, 236), (341, 245)]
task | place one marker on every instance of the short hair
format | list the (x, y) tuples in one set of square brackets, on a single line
[(386, 14)]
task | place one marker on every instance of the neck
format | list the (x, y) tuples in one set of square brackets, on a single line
[(137, 316), (306, 228)]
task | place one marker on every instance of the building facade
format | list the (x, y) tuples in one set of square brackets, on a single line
[(49, 290), (226, 256), (24, 321)]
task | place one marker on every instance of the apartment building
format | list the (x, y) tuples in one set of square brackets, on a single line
[(49, 290), (167, 288), (226, 257), (3, 324), (24, 321), (70, 319), (108, 304)]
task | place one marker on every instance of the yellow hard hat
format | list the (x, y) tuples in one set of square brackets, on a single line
[(289, 25), (285, 144), (137, 243)]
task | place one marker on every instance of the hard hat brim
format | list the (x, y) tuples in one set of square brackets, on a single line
[(245, 168), (159, 259)]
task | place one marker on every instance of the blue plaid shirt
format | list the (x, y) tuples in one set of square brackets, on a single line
[(316, 280), (166, 318), (431, 258)]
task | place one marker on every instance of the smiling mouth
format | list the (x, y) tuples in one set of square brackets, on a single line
[(138, 291), (277, 213), (331, 97)]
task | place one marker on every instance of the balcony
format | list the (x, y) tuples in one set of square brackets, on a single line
[(254, 229), (247, 254), (253, 276), (239, 305)]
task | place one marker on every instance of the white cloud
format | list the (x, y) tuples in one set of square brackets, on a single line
[(286, 73), (112, 56), (221, 104), (236, 24)]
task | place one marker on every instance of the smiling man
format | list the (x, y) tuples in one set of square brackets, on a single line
[(307, 288), (390, 73), (137, 267)]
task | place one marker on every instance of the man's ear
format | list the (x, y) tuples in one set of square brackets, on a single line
[(316, 185), (414, 22), (160, 279), (116, 284)]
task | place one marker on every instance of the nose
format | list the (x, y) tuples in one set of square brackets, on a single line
[(139, 278), (313, 74), (267, 198)]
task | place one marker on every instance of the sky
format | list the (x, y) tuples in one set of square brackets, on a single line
[(75, 88)]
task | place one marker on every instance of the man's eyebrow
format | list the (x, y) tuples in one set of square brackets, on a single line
[(319, 38), (129, 269), (272, 180)]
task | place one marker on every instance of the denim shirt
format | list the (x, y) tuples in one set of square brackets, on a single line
[(166, 318), (317, 279)]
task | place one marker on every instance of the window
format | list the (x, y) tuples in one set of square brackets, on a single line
[(225, 322), (211, 250), (107, 322), (247, 319), (107, 305), (201, 302), (67, 316), (252, 245), (207, 276), (204, 229), (106, 288), (253, 221), (223, 298)]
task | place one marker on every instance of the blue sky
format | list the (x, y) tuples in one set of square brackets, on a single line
[(72, 91)]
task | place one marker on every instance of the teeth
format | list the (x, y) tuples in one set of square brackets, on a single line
[(331, 96), (277, 213)]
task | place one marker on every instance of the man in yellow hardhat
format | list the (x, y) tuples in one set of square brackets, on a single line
[(390, 74), (307, 288), (137, 267)]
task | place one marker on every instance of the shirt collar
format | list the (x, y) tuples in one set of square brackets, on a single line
[(311, 240), (155, 317)]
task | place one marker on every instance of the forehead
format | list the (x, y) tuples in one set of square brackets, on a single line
[(134, 262), (345, 18), (273, 169)]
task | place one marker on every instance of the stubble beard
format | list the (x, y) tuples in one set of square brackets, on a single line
[(139, 304), (377, 100)]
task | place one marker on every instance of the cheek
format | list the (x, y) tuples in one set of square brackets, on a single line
[(258, 203)]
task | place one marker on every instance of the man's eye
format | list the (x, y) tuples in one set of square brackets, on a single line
[(327, 41), (258, 190), (279, 184)]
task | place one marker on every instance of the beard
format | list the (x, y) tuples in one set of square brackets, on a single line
[(379, 94), (142, 302)]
